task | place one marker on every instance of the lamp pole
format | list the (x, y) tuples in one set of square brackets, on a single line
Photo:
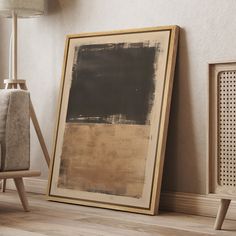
[(15, 9), (13, 82), (14, 46)]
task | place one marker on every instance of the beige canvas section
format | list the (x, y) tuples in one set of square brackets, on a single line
[(104, 158)]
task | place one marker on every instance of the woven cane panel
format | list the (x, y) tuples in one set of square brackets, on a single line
[(227, 128)]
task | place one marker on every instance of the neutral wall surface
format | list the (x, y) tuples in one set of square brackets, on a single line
[(207, 35)]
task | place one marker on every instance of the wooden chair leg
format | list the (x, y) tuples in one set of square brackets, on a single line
[(37, 128), (21, 191), (4, 183), (224, 205)]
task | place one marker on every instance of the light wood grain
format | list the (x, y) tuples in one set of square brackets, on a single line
[(20, 173), (195, 204), (18, 179), (57, 219), (221, 163), (37, 128), (14, 81), (161, 145), (221, 144), (21, 191), (224, 205), (4, 184)]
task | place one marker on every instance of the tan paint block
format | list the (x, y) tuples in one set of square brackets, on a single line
[(104, 158)]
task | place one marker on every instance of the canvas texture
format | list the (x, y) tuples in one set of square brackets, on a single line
[(14, 130)]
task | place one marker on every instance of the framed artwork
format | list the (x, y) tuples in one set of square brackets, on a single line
[(112, 119)]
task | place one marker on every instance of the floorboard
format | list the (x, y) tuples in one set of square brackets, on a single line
[(58, 219)]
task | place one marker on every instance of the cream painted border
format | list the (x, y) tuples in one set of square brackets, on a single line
[(160, 80)]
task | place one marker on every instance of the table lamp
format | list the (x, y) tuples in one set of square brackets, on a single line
[(22, 9)]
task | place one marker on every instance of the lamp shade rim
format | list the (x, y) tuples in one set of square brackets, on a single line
[(20, 13), (22, 8)]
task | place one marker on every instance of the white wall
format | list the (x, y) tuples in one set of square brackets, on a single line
[(207, 35), (3, 51)]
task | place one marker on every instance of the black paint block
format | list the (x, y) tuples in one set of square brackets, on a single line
[(112, 83)]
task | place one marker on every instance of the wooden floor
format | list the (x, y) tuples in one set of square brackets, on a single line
[(51, 218)]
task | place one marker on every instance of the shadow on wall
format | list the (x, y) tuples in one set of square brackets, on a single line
[(55, 6), (180, 169)]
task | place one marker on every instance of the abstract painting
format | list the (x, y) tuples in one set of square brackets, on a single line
[(112, 119)]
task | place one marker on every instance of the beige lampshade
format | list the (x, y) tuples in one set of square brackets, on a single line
[(23, 8)]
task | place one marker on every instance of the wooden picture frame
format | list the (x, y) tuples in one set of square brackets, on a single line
[(112, 119), (221, 141)]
